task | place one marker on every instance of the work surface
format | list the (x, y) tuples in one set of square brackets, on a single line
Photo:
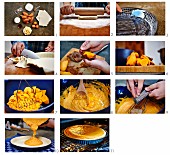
[(10, 15), (69, 30), (10, 69), (156, 8)]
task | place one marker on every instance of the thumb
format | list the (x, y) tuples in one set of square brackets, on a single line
[(151, 87), (118, 8), (88, 62)]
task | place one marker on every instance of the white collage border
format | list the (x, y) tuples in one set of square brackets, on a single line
[(133, 124)]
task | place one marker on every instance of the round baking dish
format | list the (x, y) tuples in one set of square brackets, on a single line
[(88, 141)]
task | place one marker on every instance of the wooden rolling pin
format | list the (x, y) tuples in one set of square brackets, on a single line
[(89, 11)]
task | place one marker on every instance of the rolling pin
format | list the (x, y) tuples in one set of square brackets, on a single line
[(89, 11)]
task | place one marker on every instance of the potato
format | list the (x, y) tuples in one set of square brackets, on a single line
[(36, 26), (63, 65), (26, 20), (23, 17), (31, 15), (89, 55), (25, 13), (31, 20), (65, 73)]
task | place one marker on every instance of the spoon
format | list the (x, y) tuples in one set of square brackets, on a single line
[(81, 92), (81, 89)]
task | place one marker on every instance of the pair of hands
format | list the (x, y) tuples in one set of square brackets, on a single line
[(94, 46), (18, 47), (69, 9), (156, 90)]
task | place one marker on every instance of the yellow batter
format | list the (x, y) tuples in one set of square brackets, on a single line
[(97, 98), (126, 104), (34, 123)]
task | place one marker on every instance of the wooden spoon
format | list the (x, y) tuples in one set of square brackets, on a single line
[(81, 92), (81, 89)]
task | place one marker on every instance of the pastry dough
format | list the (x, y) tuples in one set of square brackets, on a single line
[(43, 17), (97, 23), (84, 132)]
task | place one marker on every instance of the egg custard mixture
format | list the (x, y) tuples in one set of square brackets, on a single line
[(147, 106), (34, 123), (98, 98)]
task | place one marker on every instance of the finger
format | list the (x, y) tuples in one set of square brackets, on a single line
[(72, 9), (152, 87), (18, 49), (63, 10), (154, 94), (118, 8), (87, 62), (132, 87), (97, 48), (108, 9), (22, 46), (127, 83), (14, 51), (140, 86), (86, 45)]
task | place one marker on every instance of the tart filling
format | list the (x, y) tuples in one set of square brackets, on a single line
[(84, 132)]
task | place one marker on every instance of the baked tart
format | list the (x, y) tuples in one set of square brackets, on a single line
[(85, 133)]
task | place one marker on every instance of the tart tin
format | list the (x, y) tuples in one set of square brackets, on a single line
[(86, 142), (135, 21)]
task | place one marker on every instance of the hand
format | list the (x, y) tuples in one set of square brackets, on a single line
[(17, 48), (108, 9), (135, 90), (93, 46), (99, 64), (49, 124), (157, 90), (67, 9), (118, 8), (50, 47)]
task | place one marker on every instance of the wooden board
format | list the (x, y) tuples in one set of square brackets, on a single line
[(70, 30), (84, 70), (77, 50), (10, 69), (141, 69), (89, 11)]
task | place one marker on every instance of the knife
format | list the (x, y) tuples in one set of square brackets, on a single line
[(29, 54), (143, 95)]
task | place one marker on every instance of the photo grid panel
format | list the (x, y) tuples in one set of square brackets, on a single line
[(77, 73)]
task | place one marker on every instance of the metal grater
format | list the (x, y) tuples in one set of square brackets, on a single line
[(143, 95)]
